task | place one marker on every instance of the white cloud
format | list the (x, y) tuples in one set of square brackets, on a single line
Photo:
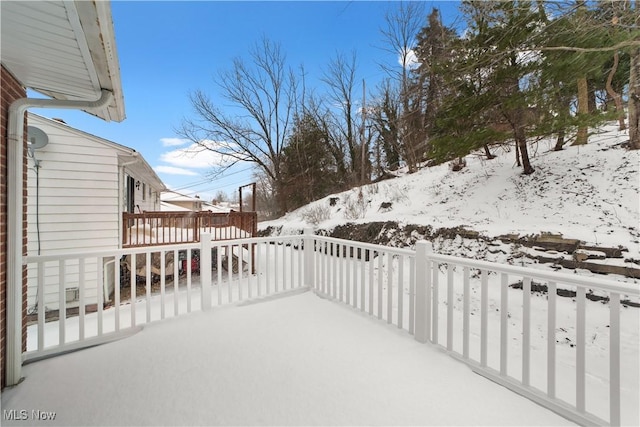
[(172, 170), (193, 156), (408, 60), (173, 142)]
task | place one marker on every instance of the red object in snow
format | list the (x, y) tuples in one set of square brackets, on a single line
[(195, 265)]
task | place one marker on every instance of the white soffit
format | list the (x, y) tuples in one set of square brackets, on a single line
[(63, 49)]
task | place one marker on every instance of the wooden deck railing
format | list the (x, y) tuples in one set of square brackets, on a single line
[(166, 228)]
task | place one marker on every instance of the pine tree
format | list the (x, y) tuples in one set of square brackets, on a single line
[(308, 169)]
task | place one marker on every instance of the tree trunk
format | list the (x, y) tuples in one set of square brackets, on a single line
[(487, 152), (615, 95), (634, 101), (559, 141), (521, 143), (583, 109)]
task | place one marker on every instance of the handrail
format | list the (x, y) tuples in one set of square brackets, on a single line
[(164, 228)]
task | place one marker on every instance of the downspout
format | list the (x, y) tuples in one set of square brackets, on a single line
[(15, 188)]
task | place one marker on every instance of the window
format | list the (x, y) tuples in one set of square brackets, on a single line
[(144, 191)]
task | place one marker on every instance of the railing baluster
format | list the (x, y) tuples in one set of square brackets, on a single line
[(99, 292), (347, 275), (218, 270), (380, 278), (176, 278), (580, 348), (436, 302), (389, 288), (258, 258), (240, 260), (230, 271), (250, 272), (371, 255), (40, 306), (484, 313), (82, 290), (362, 275), (466, 300), (401, 260), (292, 253), (551, 339), (334, 269), (450, 307), (268, 263), (614, 359), (188, 274), (504, 322), (163, 281), (526, 330), (354, 265), (412, 293), (301, 264), (132, 298), (284, 265), (62, 308), (147, 279)]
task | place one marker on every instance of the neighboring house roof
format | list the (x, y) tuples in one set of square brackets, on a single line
[(170, 207), (63, 49), (172, 196), (221, 207), (133, 160)]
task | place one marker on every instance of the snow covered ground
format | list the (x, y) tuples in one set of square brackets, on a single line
[(299, 360), (585, 192)]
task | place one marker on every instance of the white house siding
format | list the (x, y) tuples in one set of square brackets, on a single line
[(75, 206)]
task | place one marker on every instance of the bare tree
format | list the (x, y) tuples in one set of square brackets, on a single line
[(402, 26), (340, 78), (260, 97)]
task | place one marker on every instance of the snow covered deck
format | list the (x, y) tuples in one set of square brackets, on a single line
[(575, 356), (295, 360)]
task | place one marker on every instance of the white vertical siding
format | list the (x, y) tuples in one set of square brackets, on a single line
[(73, 203)]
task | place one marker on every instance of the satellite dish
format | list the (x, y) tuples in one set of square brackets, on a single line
[(36, 138)]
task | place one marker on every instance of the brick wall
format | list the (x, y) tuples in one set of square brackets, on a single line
[(10, 91)]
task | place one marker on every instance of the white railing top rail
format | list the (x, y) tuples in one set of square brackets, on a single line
[(157, 248), (574, 280), (370, 246)]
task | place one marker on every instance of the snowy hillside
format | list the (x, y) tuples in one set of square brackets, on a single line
[(589, 193)]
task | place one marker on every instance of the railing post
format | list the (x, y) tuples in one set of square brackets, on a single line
[(205, 270), (309, 268), (423, 291)]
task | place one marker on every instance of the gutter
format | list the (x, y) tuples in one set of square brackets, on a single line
[(15, 187)]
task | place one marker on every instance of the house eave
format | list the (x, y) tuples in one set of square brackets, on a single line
[(65, 50)]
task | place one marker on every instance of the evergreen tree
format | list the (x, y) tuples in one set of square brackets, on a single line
[(308, 169), (495, 80)]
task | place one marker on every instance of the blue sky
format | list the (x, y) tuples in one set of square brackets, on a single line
[(168, 49)]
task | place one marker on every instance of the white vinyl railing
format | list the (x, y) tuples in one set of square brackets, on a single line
[(533, 342), (508, 323), (172, 280)]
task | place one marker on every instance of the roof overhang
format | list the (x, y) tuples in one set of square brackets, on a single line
[(136, 165), (63, 49)]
